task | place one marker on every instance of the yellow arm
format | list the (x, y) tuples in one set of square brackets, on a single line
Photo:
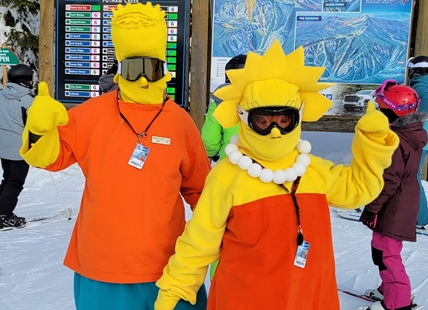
[(373, 146), (44, 115), (198, 246)]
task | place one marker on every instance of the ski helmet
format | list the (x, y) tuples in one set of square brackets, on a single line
[(396, 100), (237, 62), (21, 74), (417, 66)]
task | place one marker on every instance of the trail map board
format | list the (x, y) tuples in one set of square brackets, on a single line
[(84, 50)]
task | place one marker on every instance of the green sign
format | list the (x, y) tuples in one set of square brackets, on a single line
[(77, 29), (7, 57), (77, 86), (77, 22)]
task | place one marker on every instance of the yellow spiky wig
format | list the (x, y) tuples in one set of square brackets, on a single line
[(274, 79), (139, 30)]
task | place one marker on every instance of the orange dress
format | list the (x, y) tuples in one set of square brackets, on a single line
[(256, 269)]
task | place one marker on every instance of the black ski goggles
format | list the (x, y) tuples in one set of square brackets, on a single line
[(133, 68), (263, 120)]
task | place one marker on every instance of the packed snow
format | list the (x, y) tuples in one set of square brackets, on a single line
[(32, 275)]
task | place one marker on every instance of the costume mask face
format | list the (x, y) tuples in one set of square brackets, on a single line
[(270, 124), (278, 81), (139, 31)]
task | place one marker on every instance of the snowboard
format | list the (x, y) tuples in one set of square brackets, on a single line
[(354, 215)]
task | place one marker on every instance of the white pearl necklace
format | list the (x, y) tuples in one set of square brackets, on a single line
[(266, 175)]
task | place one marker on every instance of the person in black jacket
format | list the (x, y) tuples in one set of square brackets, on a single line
[(392, 215)]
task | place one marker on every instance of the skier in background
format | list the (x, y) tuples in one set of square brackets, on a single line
[(106, 81), (15, 99), (216, 137), (392, 215), (418, 80)]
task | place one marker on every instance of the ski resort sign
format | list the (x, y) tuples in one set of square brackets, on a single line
[(356, 41), (8, 57)]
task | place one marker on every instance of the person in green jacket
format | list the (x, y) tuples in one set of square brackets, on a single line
[(214, 136)]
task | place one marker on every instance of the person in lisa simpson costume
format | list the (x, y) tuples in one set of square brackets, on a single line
[(265, 209), (131, 211)]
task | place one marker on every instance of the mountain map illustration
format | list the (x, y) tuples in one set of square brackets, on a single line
[(357, 41)]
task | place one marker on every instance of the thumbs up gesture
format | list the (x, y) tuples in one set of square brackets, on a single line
[(45, 114), (374, 122)]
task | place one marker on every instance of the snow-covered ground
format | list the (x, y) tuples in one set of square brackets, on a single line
[(33, 277)]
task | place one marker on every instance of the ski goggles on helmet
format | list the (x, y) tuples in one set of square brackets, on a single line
[(133, 68), (262, 120), (399, 98)]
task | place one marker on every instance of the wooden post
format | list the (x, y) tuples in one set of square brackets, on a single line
[(421, 48), (46, 44), (4, 70), (200, 54)]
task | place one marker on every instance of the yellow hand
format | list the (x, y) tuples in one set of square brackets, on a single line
[(373, 122), (45, 114)]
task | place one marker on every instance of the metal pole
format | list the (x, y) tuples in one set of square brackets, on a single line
[(60, 196)]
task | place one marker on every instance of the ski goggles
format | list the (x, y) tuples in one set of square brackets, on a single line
[(263, 120), (133, 68)]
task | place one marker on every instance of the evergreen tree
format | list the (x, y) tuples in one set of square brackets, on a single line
[(23, 19)]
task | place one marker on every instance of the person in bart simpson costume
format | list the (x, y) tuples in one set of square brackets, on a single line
[(269, 219), (131, 211)]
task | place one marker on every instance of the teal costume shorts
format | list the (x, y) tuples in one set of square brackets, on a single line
[(94, 295)]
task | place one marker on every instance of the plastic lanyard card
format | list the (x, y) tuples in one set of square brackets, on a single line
[(139, 156), (301, 255)]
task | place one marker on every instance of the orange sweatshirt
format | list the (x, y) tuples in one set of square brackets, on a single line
[(129, 218)]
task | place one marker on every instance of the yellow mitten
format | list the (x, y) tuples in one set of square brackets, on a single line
[(45, 114), (165, 302), (373, 123)]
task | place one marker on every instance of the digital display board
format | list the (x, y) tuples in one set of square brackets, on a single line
[(84, 50)]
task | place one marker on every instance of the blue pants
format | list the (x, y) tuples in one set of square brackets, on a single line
[(423, 207), (94, 295)]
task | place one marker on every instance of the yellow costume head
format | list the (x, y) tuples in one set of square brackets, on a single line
[(272, 80), (140, 30)]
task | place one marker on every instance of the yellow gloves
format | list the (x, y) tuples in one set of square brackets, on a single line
[(374, 123), (44, 115), (165, 301)]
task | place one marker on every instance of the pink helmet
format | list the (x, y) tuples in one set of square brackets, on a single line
[(401, 99)]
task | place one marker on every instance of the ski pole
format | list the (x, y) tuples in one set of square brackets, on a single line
[(60, 196)]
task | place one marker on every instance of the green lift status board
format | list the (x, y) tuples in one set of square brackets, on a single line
[(84, 50)]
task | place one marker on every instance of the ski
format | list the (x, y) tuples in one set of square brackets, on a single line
[(354, 215), (63, 214), (413, 307), (356, 294)]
